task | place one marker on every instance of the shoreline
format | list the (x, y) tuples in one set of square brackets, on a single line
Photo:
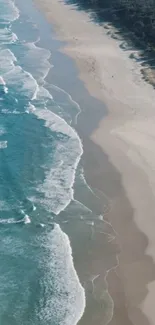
[(113, 136)]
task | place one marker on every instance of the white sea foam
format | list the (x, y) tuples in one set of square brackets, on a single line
[(44, 94), (25, 220), (15, 76), (6, 111), (58, 185), (66, 304), (42, 225), (3, 144), (7, 37), (6, 221), (6, 90), (34, 208), (37, 59), (82, 176), (9, 12), (30, 108), (70, 99), (25, 82), (7, 60), (2, 130)]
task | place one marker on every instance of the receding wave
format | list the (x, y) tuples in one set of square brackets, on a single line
[(24, 220), (7, 37), (27, 85), (58, 185), (37, 58), (66, 304), (58, 193), (9, 12), (7, 60)]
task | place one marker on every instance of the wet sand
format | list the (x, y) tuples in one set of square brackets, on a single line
[(118, 159)]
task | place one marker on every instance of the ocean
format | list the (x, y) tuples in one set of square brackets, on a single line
[(40, 154)]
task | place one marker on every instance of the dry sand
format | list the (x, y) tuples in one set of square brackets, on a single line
[(127, 136)]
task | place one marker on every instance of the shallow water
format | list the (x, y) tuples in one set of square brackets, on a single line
[(39, 163)]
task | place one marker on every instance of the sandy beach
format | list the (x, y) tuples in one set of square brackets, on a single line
[(125, 137)]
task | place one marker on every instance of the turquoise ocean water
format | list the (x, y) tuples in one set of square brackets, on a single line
[(39, 153), (39, 162)]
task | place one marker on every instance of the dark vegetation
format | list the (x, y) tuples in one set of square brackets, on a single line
[(137, 16), (135, 19)]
